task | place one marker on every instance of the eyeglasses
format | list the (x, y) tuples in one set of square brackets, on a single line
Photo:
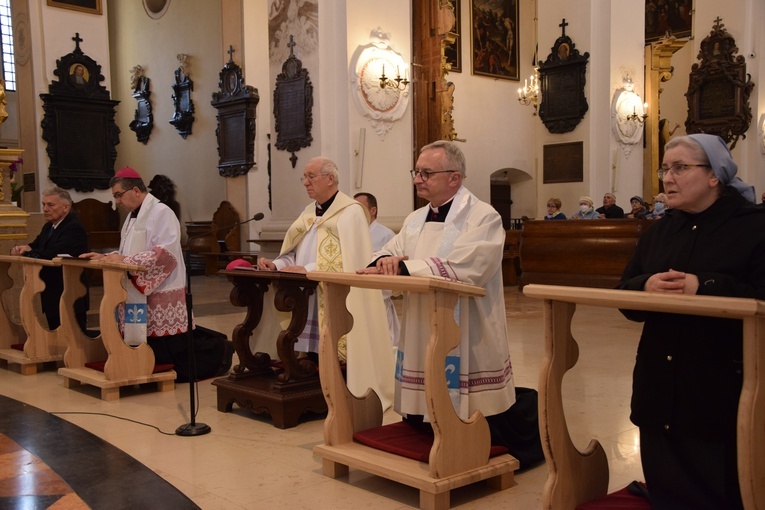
[(677, 169), (120, 193), (425, 175), (310, 177)]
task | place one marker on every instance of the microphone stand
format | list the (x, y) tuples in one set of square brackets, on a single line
[(193, 428)]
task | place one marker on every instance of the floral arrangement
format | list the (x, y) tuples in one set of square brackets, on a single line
[(16, 188)]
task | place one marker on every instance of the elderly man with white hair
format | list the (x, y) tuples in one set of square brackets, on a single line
[(332, 234)]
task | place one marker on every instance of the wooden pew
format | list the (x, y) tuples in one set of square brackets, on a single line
[(574, 476), (42, 345), (125, 365), (460, 452), (585, 253)]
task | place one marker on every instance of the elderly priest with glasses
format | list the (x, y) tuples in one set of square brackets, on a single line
[(332, 234)]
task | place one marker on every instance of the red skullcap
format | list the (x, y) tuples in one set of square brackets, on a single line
[(238, 263), (127, 173)]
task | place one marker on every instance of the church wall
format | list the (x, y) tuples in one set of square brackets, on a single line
[(624, 30), (498, 130), (256, 73), (580, 29), (387, 159), (192, 27), (51, 32)]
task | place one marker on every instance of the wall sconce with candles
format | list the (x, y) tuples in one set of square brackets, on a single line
[(628, 125), (634, 117), (529, 94), (397, 83)]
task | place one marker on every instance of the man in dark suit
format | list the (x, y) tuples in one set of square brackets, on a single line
[(62, 233)]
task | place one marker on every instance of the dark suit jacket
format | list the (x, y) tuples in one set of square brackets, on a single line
[(70, 238)]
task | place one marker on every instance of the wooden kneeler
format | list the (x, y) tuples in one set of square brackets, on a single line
[(125, 365), (577, 477), (460, 452), (42, 345)]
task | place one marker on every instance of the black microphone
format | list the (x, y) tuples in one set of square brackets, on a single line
[(192, 428), (257, 217)]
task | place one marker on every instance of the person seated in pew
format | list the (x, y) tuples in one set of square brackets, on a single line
[(63, 233), (553, 210), (380, 234), (459, 237), (688, 372), (155, 311), (332, 234), (639, 209), (586, 210), (610, 210), (659, 207)]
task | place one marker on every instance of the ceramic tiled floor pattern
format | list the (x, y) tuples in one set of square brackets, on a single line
[(246, 463)]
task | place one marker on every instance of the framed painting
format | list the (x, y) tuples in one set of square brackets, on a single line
[(453, 42), (494, 38), (661, 18), (91, 6)]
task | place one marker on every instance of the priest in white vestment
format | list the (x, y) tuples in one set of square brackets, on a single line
[(459, 237), (332, 234), (155, 310), (380, 235)]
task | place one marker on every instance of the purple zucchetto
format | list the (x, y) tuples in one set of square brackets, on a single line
[(723, 166)]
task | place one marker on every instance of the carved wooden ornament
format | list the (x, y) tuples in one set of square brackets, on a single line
[(562, 78), (719, 89), (236, 104), (293, 106), (78, 124)]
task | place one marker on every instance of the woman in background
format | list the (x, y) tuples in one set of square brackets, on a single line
[(553, 210)]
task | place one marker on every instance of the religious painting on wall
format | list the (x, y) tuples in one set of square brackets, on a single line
[(663, 17), (453, 41), (91, 6), (494, 38)]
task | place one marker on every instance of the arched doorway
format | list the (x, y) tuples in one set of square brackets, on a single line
[(503, 183)]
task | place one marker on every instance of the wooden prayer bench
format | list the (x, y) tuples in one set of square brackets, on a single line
[(584, 253), (460, 452), (576, 477), (123, 365), (42, 345), (217, 242)]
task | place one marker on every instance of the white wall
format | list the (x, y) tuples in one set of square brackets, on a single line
[(191, 27)]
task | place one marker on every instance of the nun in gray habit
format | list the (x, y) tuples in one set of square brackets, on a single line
[(688, 370)]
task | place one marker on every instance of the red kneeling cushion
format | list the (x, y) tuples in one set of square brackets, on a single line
[(18, 347), (99, 365), (619, 500), (403, 439)]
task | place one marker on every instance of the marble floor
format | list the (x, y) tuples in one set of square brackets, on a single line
[(246, 463)]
